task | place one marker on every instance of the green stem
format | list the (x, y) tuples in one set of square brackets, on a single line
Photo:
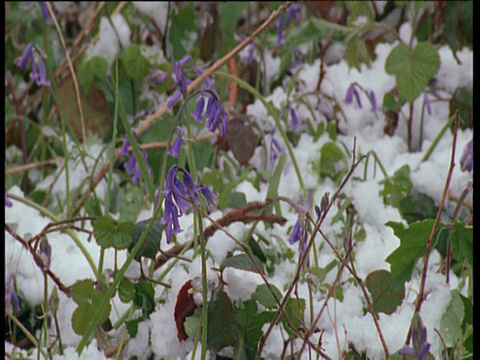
[(274, 115), (437, 139)]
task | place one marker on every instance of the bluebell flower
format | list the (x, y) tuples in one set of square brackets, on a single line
[(180, 80), (42, 76), (351, 92), (198, 113), (45, 251), (466, 161), (178, 198), (373, 100), (293, 11), (158, 77), (45, 12), (280, 39), (296, 234), (8, 202), (426, 103), (131, 166), (25, 58), (300, 234), (215, 114), (295, 122), (170, 218), (212, 199), (420, 348), (176, 95), (177, 144)]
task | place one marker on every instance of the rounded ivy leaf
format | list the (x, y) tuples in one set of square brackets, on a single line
[(104, 229), (82, 291), (123, 236), (81, 318), (126, 291)]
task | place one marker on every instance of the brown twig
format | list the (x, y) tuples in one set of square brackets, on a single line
[(421, 293), (22, 168)]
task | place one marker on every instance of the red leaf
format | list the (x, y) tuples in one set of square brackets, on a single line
[(184, 308)]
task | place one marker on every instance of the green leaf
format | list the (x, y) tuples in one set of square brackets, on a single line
[(398, 59), (236, 199), (145, 297), (126, 291), (81, 318), (330, 155), (384, 300), (413, 69), (151, 244), (426, 58), (97, 299), (411, 82), (242, 262), (397, 186), (294, 309), (135, 64), (263, 295), (104, 229), (413, 241), (96, 67), (132, 326), (452, 318), (183, 24), (222, 329), (192, 323), (461, 237), (203, 152), (82, 291), (251, 321), (229, 12), (257, 250), (123, 236)]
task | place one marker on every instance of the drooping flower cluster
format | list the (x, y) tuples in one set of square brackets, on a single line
[(132, 166), (180, 79), (29, 59), (353, 92), (179, 197), (421, 347), (215, 113), (292, 12)]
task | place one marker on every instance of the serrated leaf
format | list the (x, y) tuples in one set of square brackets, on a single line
[(384, 300), (461, 238), (123, 235), (82, 291), (135, 64), (241, 140), (242, 262), (81, 318), (413, 240), (126, 291), (104, 229), (452, 318), (222, 329), (263, 295), (151, 244), (251, 321)]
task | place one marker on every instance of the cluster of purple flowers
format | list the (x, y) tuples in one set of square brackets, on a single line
[(132, 164), (353, 92), (421, 347), (292, 12), (299, 233), (215, 113), (179, 197), (28, 59)]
